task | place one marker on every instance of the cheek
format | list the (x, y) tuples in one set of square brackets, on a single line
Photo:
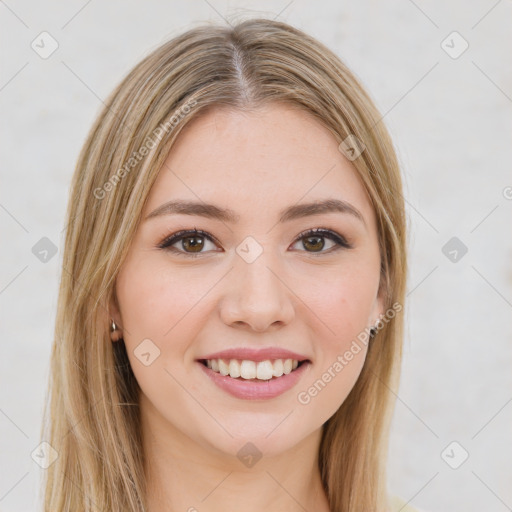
[(341, 342), (156, 301), (160, 307), (339, 305), (342, 303)]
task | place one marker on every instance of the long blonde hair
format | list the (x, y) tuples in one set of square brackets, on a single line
[(91, 416)]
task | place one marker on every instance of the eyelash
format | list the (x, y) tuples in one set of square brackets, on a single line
[(166, 244)]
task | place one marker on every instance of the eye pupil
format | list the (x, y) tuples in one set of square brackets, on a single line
[(319, 245), (195, 245)]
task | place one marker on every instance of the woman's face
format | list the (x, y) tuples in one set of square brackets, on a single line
[(253, 278)]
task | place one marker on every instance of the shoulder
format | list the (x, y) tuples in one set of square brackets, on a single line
[(398, 504)]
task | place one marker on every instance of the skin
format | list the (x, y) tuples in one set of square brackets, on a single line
[(297, 295)]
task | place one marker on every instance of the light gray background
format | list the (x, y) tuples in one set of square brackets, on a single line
[(451, 122)]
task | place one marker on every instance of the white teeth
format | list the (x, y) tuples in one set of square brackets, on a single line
[(262, 370), (234, 369), (278, 368), (248, 370), (223, 367)]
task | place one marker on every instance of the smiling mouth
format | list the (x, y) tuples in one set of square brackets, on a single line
[(251, 370)]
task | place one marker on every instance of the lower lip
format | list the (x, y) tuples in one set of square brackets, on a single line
[(256, 390)]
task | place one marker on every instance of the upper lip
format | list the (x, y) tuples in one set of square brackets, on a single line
[(252, 354)]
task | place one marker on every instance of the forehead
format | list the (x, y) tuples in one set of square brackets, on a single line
[(257, 162)]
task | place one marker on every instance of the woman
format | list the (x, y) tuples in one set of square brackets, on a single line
[(230, 315)]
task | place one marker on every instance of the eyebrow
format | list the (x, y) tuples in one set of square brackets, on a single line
[(290, 213)]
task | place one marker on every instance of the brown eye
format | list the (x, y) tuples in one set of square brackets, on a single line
[(192, 242), (315, 243), (314, 240)]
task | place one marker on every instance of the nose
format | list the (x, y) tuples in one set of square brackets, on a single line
[(257, 297)]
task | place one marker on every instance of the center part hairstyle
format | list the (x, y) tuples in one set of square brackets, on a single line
[(92, 416)]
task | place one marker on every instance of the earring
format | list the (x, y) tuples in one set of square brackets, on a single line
[(115, 333), (373, 332)]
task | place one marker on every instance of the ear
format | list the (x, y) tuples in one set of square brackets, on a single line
[(115, 315), (113, 309)]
